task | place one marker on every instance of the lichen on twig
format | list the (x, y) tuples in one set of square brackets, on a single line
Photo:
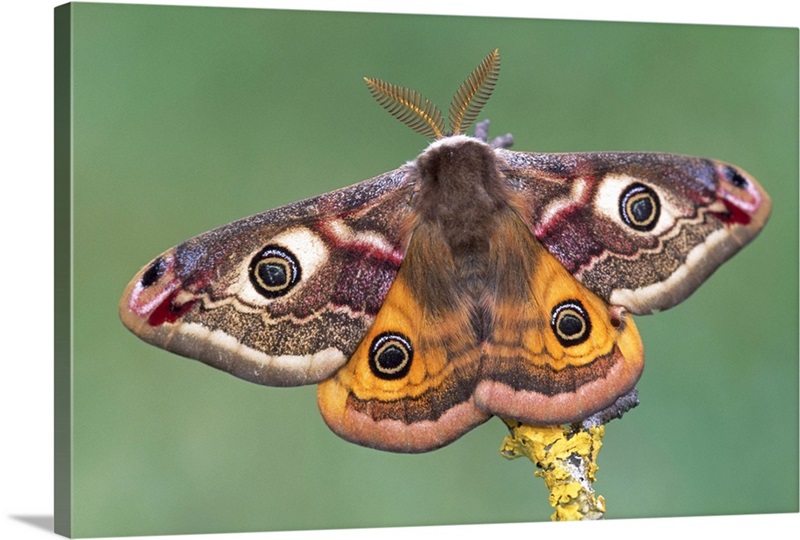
[(566, 458)]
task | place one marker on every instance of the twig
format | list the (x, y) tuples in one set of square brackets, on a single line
[(566, 458)]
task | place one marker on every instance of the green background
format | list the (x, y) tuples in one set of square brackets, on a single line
[(188, 118)]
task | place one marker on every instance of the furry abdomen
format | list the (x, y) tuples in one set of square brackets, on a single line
[(461, 203)]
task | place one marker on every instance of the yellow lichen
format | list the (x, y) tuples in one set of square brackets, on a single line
[(566, 458)]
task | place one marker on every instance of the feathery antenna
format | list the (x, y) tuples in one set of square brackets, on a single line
[(424, 117), (474, 92), (409, 107)]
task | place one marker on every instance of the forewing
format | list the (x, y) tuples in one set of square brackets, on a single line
[(280, 298), (640, 230)]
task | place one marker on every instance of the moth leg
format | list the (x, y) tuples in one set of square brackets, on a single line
[(482, 133), (623, 404)]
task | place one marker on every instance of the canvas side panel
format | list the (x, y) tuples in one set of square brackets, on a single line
[(62, 271)]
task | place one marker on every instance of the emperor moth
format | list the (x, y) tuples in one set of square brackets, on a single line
[(471, 282)]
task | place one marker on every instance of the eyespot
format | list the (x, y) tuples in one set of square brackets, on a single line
[(390, 356), (274, 271), (570, 323), (639, 207), (153, 272)]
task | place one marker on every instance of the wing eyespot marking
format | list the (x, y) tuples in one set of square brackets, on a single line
[(390, 356), (570, 323), (274, 271), (278, 269), (639, 207)]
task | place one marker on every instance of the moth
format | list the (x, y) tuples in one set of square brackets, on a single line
[(471, 282)]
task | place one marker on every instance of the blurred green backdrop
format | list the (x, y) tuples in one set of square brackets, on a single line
[(188, 118)]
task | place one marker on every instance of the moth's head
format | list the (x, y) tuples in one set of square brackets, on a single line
[(458, 158)]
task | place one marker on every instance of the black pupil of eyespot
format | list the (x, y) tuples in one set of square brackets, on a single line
[(570, 325), (391, 357), (642, 209), (273, 274), (153, 273)]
